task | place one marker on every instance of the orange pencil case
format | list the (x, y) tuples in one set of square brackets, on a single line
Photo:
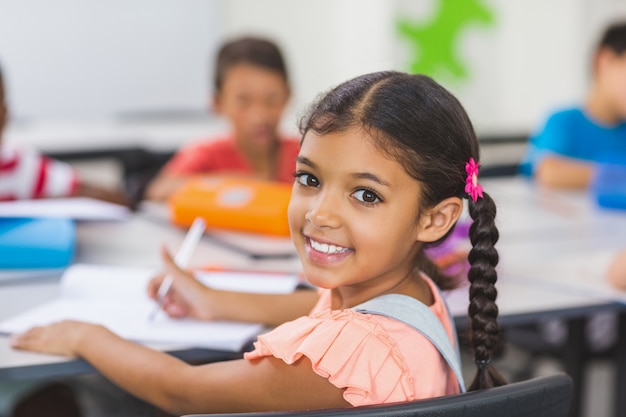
[(237, 204)]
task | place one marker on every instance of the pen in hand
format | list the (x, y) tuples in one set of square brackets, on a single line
[(181, 260)]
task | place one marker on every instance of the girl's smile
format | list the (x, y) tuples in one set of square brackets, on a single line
[(325, 253)]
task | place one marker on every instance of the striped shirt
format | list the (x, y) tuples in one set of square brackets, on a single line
[(26, 174)]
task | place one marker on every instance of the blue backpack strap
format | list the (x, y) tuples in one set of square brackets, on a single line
[(417, 315)]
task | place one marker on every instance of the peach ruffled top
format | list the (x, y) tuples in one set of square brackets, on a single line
[(375, 359)]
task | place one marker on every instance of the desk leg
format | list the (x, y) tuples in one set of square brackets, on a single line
[(620, 360), (574, 359)]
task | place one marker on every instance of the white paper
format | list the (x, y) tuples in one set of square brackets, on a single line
[(116, 298), (79, 208)]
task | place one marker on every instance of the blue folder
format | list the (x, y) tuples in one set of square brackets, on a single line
[(36, 243), (609, 185)]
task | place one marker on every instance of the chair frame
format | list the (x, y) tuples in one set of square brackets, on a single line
[(547, 396)]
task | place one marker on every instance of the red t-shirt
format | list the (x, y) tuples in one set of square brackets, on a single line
[(26, 174), (222, 155)]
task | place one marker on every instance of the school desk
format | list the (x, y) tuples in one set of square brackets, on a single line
[(137, 242), (521, 300)]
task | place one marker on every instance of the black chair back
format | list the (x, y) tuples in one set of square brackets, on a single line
[(548, 396)]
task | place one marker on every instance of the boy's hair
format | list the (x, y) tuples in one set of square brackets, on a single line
[(248, 50), (418, 123), (614, 38)]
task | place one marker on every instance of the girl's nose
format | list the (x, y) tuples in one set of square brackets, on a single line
[(324, 211)]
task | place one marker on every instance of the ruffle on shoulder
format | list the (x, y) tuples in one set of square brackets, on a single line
[(348, 348)]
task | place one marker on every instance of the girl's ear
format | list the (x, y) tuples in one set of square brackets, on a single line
[(435, 222)]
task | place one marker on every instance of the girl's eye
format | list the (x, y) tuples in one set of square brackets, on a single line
[(307, 180), (367, 196)]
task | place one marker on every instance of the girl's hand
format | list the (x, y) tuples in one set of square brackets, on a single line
[(187, 297), (62, 338)]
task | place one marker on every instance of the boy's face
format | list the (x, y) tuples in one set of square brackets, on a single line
[(612, 77), (252, 98)]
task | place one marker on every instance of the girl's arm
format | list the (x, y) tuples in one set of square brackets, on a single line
[(269, 309), (179, 388), (189, 297)]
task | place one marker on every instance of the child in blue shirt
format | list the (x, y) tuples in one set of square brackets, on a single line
[(564, 152), (572, 146)]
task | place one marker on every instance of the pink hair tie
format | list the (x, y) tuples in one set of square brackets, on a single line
[(472, 187)]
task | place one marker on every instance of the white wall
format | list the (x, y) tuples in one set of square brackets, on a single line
[(325, 41), (534, 57), (80, 59), (68, 59)]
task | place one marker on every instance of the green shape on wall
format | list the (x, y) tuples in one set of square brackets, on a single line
[(434, 43)]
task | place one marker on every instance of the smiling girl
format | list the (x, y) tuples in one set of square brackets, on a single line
[(385, 162)]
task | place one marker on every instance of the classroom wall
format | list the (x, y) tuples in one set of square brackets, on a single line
[(76, 59), (88, 59), (532, 58)]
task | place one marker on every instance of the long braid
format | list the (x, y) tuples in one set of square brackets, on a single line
[(485, 333)]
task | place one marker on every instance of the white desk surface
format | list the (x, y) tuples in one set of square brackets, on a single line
[(521, 294), (106, 134), (557, 239), (526, 211)]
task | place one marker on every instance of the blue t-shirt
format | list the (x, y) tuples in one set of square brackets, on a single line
[(572, 134)]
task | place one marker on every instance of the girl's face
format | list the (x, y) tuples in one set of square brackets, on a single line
[(353, 214)]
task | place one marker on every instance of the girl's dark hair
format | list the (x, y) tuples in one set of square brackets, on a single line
[(614, 38), (248, 50), (420, 124)]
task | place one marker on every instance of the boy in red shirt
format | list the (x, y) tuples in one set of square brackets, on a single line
[(251, 91)]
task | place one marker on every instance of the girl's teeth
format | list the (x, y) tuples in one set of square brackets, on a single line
[(326, 248)]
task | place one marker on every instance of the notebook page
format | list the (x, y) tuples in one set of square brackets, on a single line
[(130, 321), (262, 282), (106, 282), (116, 298), (78, 208), (83, 281)]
